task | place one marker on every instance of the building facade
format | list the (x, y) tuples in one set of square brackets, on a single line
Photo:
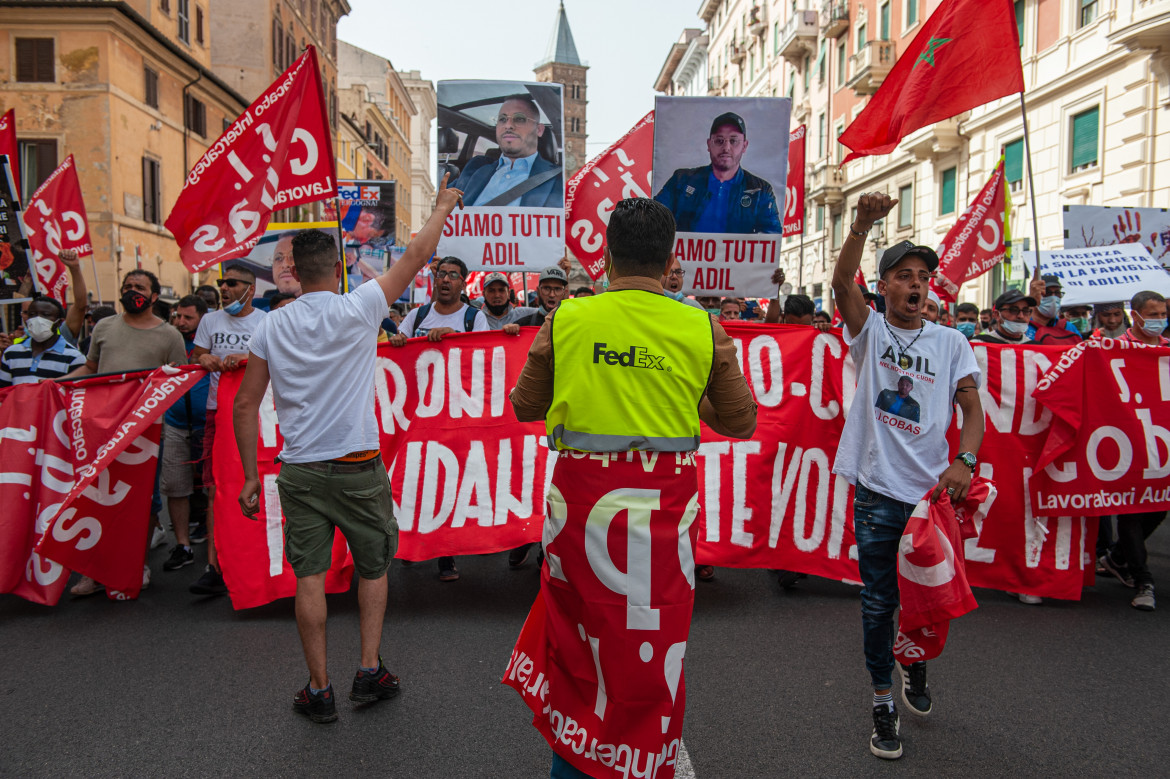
[(422, 187), (128, 89), (1097, 88), (561, 65)]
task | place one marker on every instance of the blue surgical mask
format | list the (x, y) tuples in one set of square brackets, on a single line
[(673, 295), (1014, 328), (1048, 307), (236, 306), (967, 329), (1154, 327)]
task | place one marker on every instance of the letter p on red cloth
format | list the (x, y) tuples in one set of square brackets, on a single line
[(932, 575)]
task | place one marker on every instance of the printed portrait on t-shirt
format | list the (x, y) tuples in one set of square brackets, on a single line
[(899, 401)]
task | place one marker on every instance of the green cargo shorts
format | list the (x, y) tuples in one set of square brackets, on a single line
[(318, 497)]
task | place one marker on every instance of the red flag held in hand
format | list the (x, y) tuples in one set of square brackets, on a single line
[(277, 154), (55, 220), (980, 239), (967, 54)]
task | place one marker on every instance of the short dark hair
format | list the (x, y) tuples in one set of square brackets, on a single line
[(207, 288), (314, 254), (527, 100), (155, 287), (823, 315), (640, 237), (580, 290), (1145, 296), (193, 301), (456, 262), (725, 301), (101, 312), (968, 308), (799, 305), (162, 310), (241, 268), (983, 311), (278, 298), (51, 301)]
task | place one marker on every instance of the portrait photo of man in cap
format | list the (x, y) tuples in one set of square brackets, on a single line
[(721, 196)]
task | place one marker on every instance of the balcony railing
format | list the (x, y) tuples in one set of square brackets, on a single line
[(799, 36), (870, 66), (825, 186), (834, 18), (738, 54)]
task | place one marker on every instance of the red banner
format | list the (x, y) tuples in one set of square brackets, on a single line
[(277, 154), (9, 146), (979, 241), (55, 220), (794, 202), (623, 170), (1108, 449)]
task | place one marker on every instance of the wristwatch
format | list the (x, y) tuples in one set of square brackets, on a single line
[(967, 459)]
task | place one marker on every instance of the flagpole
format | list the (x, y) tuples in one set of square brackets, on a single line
[(1031, 188), (341, 245), (800, 267)]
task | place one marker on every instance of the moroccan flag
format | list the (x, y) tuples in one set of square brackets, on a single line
[(979, 241), (8, 145), (967, 54), (277, 154)]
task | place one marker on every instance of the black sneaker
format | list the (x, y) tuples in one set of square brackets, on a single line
[(447, 570), (1144, 600), (180, 556), (789, 579), (199, 533), (1107, 562), (370, 687), (320, 708), (885, 742), (210, 583), (518, 556), (915, 691)]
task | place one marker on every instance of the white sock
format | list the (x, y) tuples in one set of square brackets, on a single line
[(885, 699)]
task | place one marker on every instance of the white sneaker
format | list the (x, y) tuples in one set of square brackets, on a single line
[(1031, 600), (145, 576), (158, 538)]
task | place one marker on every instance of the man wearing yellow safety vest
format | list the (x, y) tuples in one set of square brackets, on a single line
[(622, 381)]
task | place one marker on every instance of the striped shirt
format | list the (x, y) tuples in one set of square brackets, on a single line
[(19, 366)]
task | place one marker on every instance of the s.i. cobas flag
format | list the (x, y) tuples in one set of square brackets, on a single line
[(967, 54)]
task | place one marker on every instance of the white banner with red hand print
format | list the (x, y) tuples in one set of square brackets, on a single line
[(600, 658), (1102, 275), (1093, 226)]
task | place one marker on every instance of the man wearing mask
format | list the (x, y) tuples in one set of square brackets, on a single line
[(43, 353), (967, 319), (1046, 327), (182, 439), (553, 285), (1149, 320), (1078, 317), (1014, 309), (221, 344), (135, 341), (497, 305), (1111, 321), (986, 319)]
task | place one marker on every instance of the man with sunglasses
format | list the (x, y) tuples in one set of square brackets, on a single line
[(519, 176), (221, 344), (1046, 326), (1011, 326)]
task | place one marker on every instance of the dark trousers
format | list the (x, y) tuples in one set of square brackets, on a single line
[(1132, 532), (1104, 534)]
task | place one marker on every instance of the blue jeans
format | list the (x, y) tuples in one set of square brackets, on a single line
[(878, 523), (563, 769)]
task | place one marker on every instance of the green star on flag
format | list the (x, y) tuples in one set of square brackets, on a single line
[(932, 46)]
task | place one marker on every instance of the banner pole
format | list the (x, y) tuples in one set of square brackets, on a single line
[(1031, 188), (97, 283), (341, 245), (800, 265)]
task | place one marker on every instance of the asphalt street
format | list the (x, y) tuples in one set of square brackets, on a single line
[(175, 685)]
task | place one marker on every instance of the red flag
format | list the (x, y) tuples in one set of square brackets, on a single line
[(621, 171), (277, 154), (794, 203), (979, 240), (55, 219), (967, 54), (9, 146)]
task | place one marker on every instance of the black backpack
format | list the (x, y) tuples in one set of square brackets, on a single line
[(469, 314)]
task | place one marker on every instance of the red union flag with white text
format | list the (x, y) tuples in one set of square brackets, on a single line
[(277, 154), (623, 170), (794, 203), (979, 241), (55, 220), (8, 145)]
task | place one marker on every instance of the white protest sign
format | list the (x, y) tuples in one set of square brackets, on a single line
[(1102, 274)]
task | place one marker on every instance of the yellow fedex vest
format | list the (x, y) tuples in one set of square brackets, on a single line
[(630, 368)]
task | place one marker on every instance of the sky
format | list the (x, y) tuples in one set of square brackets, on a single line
[(624, 42)]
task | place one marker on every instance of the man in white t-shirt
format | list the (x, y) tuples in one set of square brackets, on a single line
[(910, 373), (446, 313), (319, 354), (221, 344)]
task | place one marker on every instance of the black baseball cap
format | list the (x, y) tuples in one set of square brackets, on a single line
[(893, 255), (734, 120), (1051, 280), (1012, 296)]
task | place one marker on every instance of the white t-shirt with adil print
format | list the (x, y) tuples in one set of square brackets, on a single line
[(894, 441)]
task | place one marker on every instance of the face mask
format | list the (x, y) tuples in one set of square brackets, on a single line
[(1153, 327), (1014, 328), (967, 329), (1117, 332), (236, 306), (40, 329), (134, 302), (673, 295), (1081, 324), (496, 310), (1048, 306)]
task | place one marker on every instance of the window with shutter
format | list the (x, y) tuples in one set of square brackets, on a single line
[(277, 43), (1088, 12), (151, 191), (34, 60), (38, 158), (195, 116), (150, 87), (906, 205), (911, 12), (946, 201), (165, 6), (1019, 10), (884, 14), (1084, 139), (184, 19), (199, 25), (1013, 163)]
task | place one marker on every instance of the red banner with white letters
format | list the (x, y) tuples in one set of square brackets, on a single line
[(794, 202), (8, 145), (276, 154), (623, 170), (55, 220), (980, 239)]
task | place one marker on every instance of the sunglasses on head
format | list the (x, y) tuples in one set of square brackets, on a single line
[(233, 283)]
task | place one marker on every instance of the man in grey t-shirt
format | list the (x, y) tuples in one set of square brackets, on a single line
[(497, 306)]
